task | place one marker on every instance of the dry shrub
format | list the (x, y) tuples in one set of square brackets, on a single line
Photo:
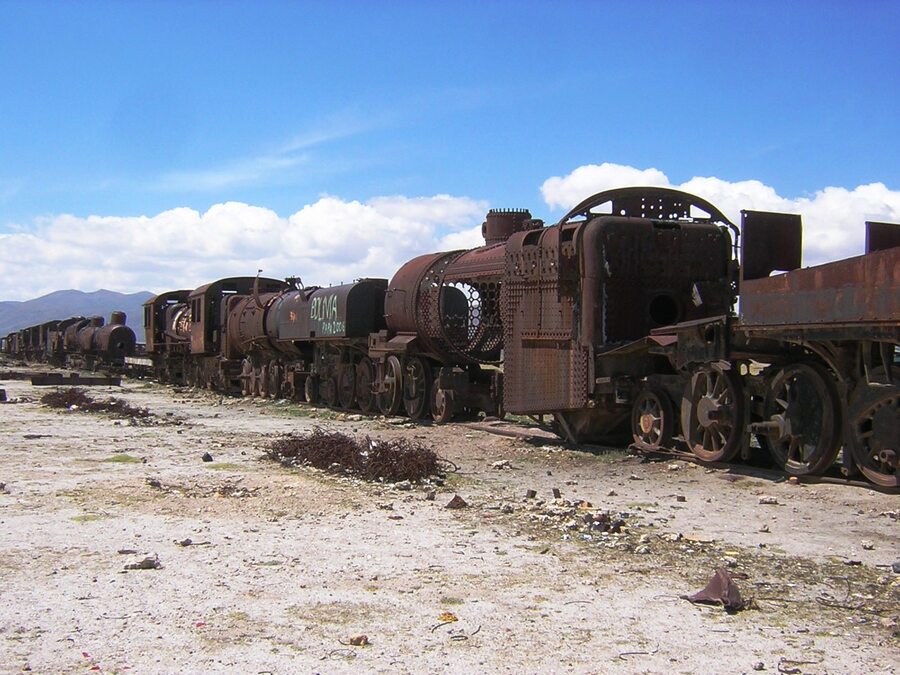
[(334, 451), (74, 396)]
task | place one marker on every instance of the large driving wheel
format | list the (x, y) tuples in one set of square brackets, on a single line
[(441, 403), (390, 397), (875, 431), (347, 386), (712, 413), (653, 417), (416, 388), (804, 409), (365, 376)]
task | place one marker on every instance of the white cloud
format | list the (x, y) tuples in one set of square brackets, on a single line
[(833, 218), (329, 241)]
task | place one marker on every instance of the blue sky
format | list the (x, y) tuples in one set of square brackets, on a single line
[(116, 114)]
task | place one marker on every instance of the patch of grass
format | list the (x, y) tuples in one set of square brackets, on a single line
[(123, 458), (223, 466), (452, 601)]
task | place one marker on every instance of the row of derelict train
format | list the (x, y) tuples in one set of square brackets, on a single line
[(643, 313)]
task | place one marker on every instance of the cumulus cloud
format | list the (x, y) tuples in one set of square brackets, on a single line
[(329, 241), (833, 217)]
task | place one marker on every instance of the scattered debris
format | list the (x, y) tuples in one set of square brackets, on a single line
[(556, 493), (2, 395), (530, 494), (721, 589), (3, 489), (502, 464), (765, 499), (389, 460), (207, 457), (359, 641), (151, 562), (456, 503), (430, 495)]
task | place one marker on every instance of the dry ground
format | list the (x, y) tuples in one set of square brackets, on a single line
[(285, 566)]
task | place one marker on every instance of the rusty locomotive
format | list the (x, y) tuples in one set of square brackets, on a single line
[(643, 315), (78, 342)]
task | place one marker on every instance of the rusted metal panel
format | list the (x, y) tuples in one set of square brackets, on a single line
[(881, 236), (864, 289), (770, 242)]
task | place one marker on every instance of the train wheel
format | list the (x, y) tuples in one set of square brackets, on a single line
[(328, 390), (311, 389), (365, 376), (263, 382), (441, 403), (390, 398), (347, 386), (875, 432), (712, 413), (653, 417), (246, 369), (417, 388), (803, 403), (274, 380)]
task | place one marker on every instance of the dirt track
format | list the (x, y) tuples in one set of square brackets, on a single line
[(285, 566)]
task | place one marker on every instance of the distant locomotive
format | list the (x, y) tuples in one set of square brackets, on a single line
[(619, 322)]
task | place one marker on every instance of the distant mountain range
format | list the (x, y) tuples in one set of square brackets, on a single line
[(63, 304)]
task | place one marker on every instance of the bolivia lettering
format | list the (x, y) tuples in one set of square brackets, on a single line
[(324, 310)]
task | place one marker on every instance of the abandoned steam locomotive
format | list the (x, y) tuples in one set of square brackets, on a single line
[(643, 313)]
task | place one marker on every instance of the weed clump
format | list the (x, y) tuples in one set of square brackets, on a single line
[(390, 461), (75, 398)]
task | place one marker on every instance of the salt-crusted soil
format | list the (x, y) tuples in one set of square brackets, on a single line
[(284, 566)]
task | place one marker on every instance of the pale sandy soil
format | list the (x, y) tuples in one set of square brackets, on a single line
[(286, 565)]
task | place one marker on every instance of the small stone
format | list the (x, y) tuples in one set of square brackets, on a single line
[(612, 493), (642, 550), (207, 457), (506, 508), (896, 567), (759, 665), (430, 495), (868, 546), (763, 528), (765, 499), (793, 480), (501, 464), (556, 493), (530, 494), (680, 498), (673, 467), (404, 485), (456, 503)]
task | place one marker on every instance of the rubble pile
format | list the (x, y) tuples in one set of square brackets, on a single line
[(384, 460)]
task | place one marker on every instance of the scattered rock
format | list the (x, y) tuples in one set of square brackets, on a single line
[(680, 498), (896, 567), (430, 495), (456, 503), (530, 494), (763, 528), (759, 665), (207, 457), (765, 499), (643, 549), (359, 641), (556, 493), (612, 493), (501, 465), (868, 546), (151, 562)]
